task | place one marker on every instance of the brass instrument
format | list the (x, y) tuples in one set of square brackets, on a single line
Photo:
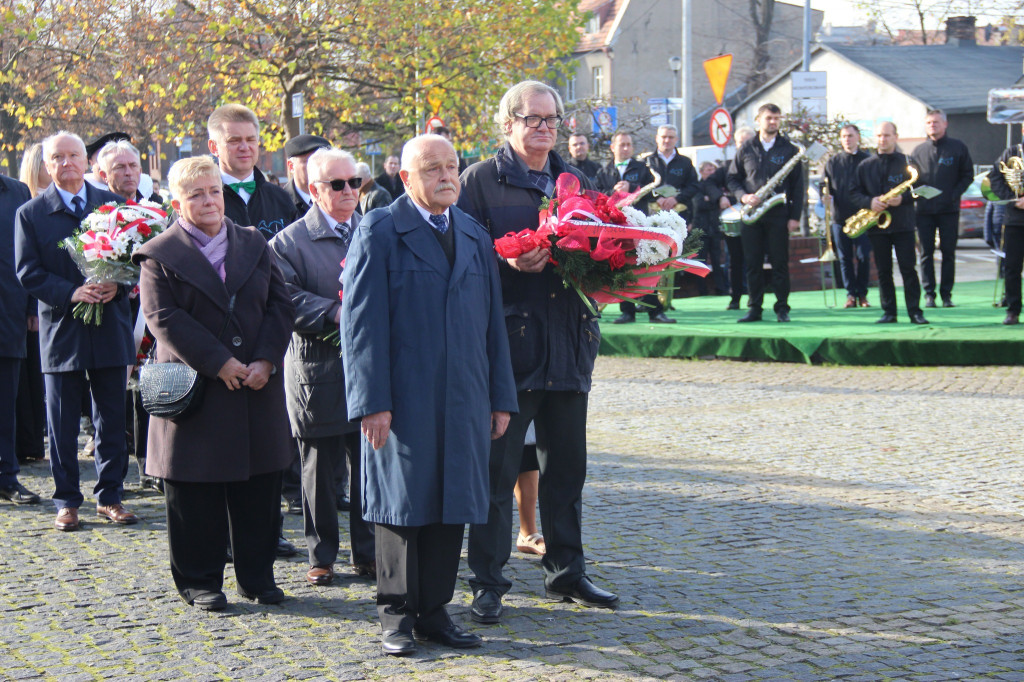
[(864, 219), (830, 255), (767, 200), (1013, 171)]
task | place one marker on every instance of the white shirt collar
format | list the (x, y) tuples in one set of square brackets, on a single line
[(768, 145), (426, 214), (68, 196), (335, 226), (667, 159), (302, 195)]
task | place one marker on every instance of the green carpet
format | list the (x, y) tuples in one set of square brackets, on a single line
[(970, 334)]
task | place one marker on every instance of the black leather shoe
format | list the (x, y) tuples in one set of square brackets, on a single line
[(452, 636), (752, 316), (19, 494), (285, 548), (918, 318), (661, 318), (397, 643), (487, 607), (624, 318), (782, 317), (272, 596), (886, 319), (586, 593), (1012, 318), (344, 504), (733, 305), (929, 300), (947, 303), (210, 601)]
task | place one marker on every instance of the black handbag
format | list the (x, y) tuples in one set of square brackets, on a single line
[(173, 390)]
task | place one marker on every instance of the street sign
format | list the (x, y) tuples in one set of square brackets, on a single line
[(721, 127), (659, 111), (297, 105), (434, 122), (571, 123), (606, 119), (717, 69), (809, 84)]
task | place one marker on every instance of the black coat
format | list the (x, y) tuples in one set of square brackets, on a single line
[(637, 174), (1014, 216), (48, 273), (269, 210), (553, 338), (841, 173), (680, 173), (945, 164), (300, 204), (394, 185), (586, 166), (753, 167), (14, 300), (876, 175)]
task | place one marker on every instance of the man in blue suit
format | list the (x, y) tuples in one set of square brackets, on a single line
[(76, 357), (428, 375)]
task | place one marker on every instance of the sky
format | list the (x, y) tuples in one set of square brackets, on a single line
[(846, 13)]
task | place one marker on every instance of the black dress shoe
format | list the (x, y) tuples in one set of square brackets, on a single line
[(272, 596), (1012, 318), (397, 643), (210, 601), (752, 316), (886, 319), (452, 636), (661, 318), (344, 504), (929, 300), (285, 548), (947, 303), (624, 318), (782, 317), (918, 318), (19, 494), (733, 305), (487, 606), (586, 593)]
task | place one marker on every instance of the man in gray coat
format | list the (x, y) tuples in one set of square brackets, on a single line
[(309, 253)]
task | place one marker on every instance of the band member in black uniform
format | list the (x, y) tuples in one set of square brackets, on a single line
[(579, 150), (1004, 175), (876, 176), (841, 174), (756, 162), (675, 169), (625, 174), (733, 244)]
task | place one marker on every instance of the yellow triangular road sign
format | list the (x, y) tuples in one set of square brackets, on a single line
[(717, 69)]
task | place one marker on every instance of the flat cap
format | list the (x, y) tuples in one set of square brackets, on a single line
[(102, 140), (304, 144)]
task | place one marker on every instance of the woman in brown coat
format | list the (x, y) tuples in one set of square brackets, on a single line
[(221, 465)]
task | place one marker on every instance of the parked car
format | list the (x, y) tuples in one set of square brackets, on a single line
[(972, 210)]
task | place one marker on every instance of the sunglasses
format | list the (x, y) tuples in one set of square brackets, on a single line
[(338, 185)]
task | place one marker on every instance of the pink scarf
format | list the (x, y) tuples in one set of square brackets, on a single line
[(214, 249)]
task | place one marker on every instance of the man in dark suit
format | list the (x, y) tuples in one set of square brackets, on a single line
[(579, 150), (390, 179), (430, 386), (298, 150), (14, 314), (69, 347)]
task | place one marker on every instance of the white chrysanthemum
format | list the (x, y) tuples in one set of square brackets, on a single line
[(634, 217), (651, 251)]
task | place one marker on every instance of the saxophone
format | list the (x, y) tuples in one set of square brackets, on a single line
[(1013, 171), (750, 214), (864, 219)]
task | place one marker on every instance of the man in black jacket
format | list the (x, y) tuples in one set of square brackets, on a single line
[(876, 176), (249, 198), (298, 150), (553, 342), (756, 162), (841, 174), (579, 150), (389, 179), (1013, 224), (945, 164), (675, 169)]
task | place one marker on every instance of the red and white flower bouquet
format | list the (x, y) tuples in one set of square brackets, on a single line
[(102, 247)]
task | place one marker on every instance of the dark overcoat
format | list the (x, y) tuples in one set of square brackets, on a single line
[(309, 254), (48, 273), (235, 434), (14, 301), (427, 342)]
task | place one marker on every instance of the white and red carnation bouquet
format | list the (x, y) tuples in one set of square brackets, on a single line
[(602, 247), (103, 246)]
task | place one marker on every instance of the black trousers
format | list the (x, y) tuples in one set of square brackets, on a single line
[(10, 370), (883, 243), (201, 517), (737, 271), (561, 421), (769, 235), (31, 421), (948, 227), (320, 459), (653, 307), (856, 276), (417, 567), (1013, 245)]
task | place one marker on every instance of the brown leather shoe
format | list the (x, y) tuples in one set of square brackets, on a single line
[(851, 302), (117, 513), (67, 519), (320, 575), (864, 302)]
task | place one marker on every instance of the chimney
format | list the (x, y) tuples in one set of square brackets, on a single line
[(960, 31)]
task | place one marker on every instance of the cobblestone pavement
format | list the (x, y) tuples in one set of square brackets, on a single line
[(760, 522)]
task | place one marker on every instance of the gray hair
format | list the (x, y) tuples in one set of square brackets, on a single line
[(230, 113), (48, 142), (512, 102), (112, 149), (744, 131), (937, 112), (321, 158), (363, 170), (668, 126)]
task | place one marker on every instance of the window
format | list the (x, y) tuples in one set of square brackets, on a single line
[(598, 73), (593, 24), (570, 89)]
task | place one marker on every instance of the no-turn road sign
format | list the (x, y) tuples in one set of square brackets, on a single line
[(721, 128)]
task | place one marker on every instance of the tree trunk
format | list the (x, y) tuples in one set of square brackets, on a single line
[(761, 14)]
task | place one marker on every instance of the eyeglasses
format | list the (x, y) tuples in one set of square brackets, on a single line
[(338, 184), (552, 122)]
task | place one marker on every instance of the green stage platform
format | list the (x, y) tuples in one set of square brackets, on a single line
[(970, 334)]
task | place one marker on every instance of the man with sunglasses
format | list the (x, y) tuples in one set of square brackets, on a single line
[(553, 341)]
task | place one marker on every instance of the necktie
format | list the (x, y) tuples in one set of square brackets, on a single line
[(345, 232), (249, 186), (440, 222), (540, 180), (79, 205)]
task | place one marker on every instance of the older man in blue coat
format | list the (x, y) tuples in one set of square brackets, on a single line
[(429, 377), (69, 348)]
